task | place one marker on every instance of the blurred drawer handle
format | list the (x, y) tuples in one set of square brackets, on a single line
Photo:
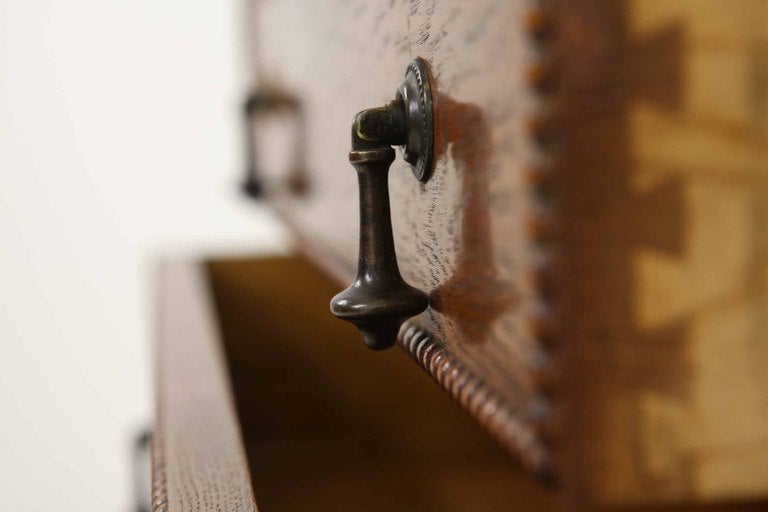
[(261, 102)]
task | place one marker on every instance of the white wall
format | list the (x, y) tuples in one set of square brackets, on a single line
[(118, 142)]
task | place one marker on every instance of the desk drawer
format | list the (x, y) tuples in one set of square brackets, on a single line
[(261, 393), (592, 239)]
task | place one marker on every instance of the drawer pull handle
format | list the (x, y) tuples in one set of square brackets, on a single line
[(262, 102), (378, 301)]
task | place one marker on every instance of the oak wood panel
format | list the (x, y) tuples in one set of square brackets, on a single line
[(651, 116), (465, 235), (663, 168), (331, 425), (197, 451), (462, 237), (327, 424)]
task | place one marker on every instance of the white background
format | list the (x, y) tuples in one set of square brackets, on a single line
[(119, 142)]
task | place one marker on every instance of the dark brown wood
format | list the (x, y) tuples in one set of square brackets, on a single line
[(330, 425), (593, 237), (197, 453), (485, 307)]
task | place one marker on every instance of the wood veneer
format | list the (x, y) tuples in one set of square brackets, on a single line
[(593, 237), (255, 400)]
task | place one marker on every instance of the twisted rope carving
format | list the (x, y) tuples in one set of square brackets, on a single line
[(485, 407)]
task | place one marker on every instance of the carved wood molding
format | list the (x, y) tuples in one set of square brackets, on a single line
[(497, 417)]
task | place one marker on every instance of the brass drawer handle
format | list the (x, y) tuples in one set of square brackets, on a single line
[(378, 301)]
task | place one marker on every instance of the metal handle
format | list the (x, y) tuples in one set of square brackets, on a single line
[(271, 100), (379, 300)]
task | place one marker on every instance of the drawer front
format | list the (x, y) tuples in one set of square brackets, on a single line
[(590, 337), (464, 236)]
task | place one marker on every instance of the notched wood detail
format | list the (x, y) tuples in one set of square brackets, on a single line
[(523, 411), (543, 224), (504, 424)]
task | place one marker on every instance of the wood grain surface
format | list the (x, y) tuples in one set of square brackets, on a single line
[(663, 165), (331, 425), (593, 237), (463, 235), (197, 452)]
